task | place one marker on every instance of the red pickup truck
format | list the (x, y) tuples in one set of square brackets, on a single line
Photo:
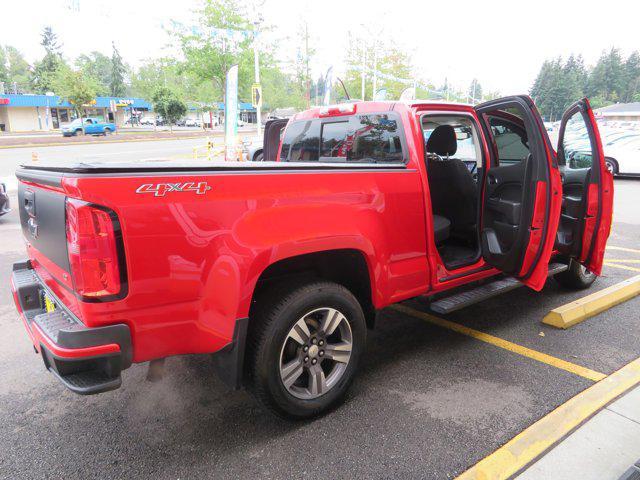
[(278, 267)]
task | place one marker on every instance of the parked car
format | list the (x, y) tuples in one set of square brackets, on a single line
[(278, 268), (623, 158), (88, 126), (5, 207), (193, 122)]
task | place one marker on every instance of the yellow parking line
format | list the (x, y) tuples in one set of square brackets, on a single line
[(499, 342), (529, 444), (575, 312), (623, 249), (621, 260), (623, 267)]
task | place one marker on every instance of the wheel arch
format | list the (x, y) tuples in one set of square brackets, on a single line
[(346, 266)]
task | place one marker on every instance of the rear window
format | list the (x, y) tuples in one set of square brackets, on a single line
[(358, 138)]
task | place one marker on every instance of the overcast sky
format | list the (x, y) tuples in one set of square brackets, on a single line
[(502, 43)]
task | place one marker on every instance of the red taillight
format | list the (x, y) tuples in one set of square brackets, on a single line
[(93, 253)]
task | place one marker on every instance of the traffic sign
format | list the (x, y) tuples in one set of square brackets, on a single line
[(256, 95)]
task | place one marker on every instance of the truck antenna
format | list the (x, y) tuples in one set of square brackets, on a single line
[(344, 88)]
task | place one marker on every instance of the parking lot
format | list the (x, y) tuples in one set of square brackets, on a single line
[(430, 400)]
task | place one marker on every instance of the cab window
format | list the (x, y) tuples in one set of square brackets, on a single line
[(359, 138)]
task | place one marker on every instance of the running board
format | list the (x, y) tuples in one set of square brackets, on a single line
[(482, 292)]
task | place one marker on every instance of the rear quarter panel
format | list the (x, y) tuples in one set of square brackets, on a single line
[(193, 260)]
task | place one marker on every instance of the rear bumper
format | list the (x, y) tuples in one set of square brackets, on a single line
[(86, 360)]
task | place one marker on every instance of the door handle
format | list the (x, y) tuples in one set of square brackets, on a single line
[(492, 180)]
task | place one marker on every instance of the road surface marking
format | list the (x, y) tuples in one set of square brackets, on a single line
[(621, 260), (623, 267), (506, 345), (575, 312), (623, 249), (528, 445)]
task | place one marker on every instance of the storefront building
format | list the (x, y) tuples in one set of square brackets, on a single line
[(28, 113)]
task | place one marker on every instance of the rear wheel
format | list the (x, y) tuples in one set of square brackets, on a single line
[(258, 157), (577, 277), (305, 345), (107, 131), (611, 165)]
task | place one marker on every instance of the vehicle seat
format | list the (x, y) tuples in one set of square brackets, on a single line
[(441, 227), (453, 190)]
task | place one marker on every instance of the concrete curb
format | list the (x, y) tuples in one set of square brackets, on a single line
[(575, 312)]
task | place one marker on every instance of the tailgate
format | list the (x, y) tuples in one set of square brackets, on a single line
[(42, 217)]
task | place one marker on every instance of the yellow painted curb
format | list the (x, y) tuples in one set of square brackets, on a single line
[(528, 445), (575, 312), (504, 344)]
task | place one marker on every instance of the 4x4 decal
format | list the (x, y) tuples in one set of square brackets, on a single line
[(161, 189)]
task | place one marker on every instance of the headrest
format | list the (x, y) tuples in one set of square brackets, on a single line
[(443, 141)]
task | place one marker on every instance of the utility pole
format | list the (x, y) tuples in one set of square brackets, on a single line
[(306, 61), (375, 70), (364, 66), (256, 69)]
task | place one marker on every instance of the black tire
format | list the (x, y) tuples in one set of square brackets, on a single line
[(78, 133), (273, 317), (576, 277), (107, 131), (612, 165), (258, 157)]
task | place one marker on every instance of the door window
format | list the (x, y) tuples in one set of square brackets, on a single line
[(510, 137), (575, 151)]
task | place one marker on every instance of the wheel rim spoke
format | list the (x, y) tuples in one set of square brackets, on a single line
[(331, 320), (291, 372), (317, 381), (300, 332), (338, 352)]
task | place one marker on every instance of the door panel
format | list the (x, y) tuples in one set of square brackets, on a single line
[(521, 191), (587, 203)]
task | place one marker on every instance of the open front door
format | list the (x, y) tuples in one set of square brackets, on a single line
[(521, 191), (587, 184)]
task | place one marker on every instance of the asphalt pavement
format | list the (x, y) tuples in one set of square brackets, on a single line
[(428, 402)]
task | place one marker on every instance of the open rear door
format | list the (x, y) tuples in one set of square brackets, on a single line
[(587, 203), (521, 191)]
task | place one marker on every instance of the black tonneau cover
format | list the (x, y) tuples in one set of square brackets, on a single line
[(162, 167)]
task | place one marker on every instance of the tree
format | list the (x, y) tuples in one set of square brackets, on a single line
[(168, 105), (97, 66), (18, 70), (78, 89), (631, 89), (4, 69), (221, 39), (117, 86), (45, 70)]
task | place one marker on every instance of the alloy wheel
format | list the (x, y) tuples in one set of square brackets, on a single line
[(315, 353)]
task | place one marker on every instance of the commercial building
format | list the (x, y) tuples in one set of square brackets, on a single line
[(26, 113), (623, 112)]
